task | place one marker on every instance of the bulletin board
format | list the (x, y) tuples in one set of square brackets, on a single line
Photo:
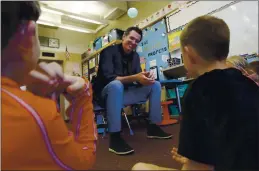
[(153, 49)]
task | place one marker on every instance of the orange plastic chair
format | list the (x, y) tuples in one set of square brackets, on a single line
[(166, 116)]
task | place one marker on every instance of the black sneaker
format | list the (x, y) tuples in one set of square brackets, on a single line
[(155, 132), (119, 146)]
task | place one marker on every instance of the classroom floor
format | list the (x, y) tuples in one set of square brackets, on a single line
[(146, 150)]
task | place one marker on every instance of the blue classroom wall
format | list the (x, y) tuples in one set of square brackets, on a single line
[(154, 47)]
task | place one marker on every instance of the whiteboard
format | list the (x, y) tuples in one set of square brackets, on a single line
[(241, 17), (195, 10), (242, 20)]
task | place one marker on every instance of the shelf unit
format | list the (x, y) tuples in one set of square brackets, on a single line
[(86, 59), (175, 71)]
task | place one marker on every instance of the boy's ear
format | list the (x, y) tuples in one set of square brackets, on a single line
[(191, 54), (28, 28), (24, 33), (22, 40), (26, 38)]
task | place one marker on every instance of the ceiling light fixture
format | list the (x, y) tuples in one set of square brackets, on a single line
[(100, 27), (74, 29), (45, 23), (84, 19), (51, 11), (71, 16)]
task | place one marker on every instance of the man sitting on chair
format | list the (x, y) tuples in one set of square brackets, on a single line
[(119, 82)]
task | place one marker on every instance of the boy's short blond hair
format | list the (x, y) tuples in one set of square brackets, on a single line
[(209, 36)]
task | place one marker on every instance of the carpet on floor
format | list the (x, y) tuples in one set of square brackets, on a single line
[(153, 151)]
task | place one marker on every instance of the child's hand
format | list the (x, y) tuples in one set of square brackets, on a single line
[(47, 79), (76, 86), (177, 157)]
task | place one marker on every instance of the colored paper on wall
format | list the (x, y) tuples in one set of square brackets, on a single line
[(142, 60), (143, 66), (165, 58), (139, 49), (174, 40), (91, 63), (152, 63)]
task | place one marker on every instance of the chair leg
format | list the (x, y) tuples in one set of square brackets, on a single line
[(131, 132), (104, 131)]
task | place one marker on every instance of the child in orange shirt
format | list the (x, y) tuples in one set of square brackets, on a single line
[(34, 134)]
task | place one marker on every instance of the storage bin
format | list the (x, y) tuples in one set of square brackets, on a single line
[(90, 49), (181, 90), (105, 40), (173, 109), (98, 43), (115, 34)]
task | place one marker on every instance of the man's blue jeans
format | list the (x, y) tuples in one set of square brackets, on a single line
[(116, 97)]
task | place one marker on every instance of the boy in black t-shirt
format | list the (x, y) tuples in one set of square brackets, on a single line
[(219, 127)]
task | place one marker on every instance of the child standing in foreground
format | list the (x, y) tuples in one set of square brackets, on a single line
[(219, 127), (34, 134)]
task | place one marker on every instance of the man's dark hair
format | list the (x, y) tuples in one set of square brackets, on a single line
[(12, 15), (209, 36), (136, 29)]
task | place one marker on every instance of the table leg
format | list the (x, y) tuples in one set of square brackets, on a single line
[(178, 99)]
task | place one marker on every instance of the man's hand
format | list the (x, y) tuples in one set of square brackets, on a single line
[(150, 75), (143, 78)]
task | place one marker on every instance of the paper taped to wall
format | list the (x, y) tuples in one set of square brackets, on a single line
[(152, 63), (165, 57), (139, 49)]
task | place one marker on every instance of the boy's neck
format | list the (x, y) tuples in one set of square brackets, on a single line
[(207, 67)]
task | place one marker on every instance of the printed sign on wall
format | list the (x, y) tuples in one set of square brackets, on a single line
[(91, 63)]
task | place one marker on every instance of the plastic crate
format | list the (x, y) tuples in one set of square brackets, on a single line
[(174, 111), (181, 90), (98, 43), (115, 34), (105, 40)]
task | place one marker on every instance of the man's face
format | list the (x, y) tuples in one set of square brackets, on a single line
[(130, 42)]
